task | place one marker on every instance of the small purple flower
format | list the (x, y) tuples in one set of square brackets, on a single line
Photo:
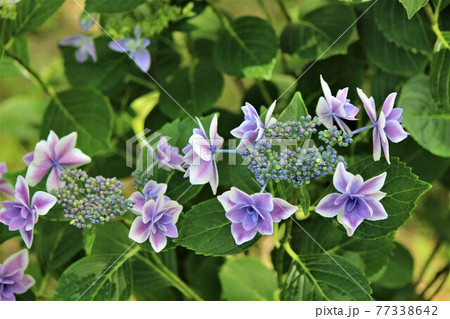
[(156, 223), (250, 214), (21, 215), (337, 108), (54, 155), (136, 48), (85, 45), (151, 190), (252, 129), (86, 21), (12, 277), (199, 156), (358, 200), (167, 155), (5, 187), (387, 126)]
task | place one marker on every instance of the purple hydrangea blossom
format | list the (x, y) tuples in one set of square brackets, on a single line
[(335, 107), (167, 156), (199, 156), (54, 155), (21, 214), (387, 126), (135, 48), (12, 277), (5, 187), (357, 200), (252, 129), (151, 191), (85, 47), (250, 214), (156, 222)]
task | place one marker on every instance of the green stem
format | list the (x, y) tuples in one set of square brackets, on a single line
[(428, 262), (280, 255), (434, 19), (284, 10), (264, 9), (175, 280), (136, 79), (43, 286), (444, 271)]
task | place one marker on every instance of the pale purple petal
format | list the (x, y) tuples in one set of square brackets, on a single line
[(120, 45), (28, 158), (342, 94), (376, 145), (15, 263), (143, 59), (324, 112), (354, 185), (395, 131), (240, 235), (395, 115), (43, 202), (236, 214), (269, 120), (201, 173), (173, 209), (378, 211), (19, 287), (3, 168), (36, 173), (225, 200), (89, 48), (52, 140), (388, 104), (373, 185), (238, 196), (368, 106), (171, 230), (139, 201), (22, 193), (153, 189), (351, 111), (53, 180), (263, 201), (65, 145), (265, 226), (158, 240), (6, 188), (81, 55), (327, 206), (139, 232), (27, 236), (326, 90), (282, 210), (74, 41), (250, 221), (341, 178), (17, 223), (74, 158)]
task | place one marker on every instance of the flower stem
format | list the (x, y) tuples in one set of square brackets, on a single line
[(428, 261), (225, 151), (284, 10), (368, 127), (434, 19), (264, 9), (264, 186), (280, 255)]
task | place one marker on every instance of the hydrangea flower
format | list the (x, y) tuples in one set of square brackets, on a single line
[(335, 107), (156, 222), (136, 48), (167, 156), (54, 155), (85, 47), (250, 214), (357, 200), (21, 214), (12, 277), (387, 126), (5, 187), (151, 190), (252, 129), (199, 156), (88, 201)]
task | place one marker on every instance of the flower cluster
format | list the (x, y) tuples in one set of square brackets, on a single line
[(88, 201), (140, 178), (12, 277), (287, 154)]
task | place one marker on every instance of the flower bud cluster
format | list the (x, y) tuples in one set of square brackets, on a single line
[(140, 179), (333, 136), (88, 201)]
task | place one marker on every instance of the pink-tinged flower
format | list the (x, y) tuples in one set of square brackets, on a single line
[(21, 214), (156, 223), (54, 155), (12, 277), (151, 191), (199, 156), (252, 129), (85, 46), (335, 107), (5, 187), (357, 200), (167, 156), (250, 214), (136, 49), (387, 126)]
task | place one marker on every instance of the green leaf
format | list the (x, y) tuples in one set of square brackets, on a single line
[(440, 78), (202, 274), (247, 48), (247, 279), (106, 75), (30, 15), (428, 125), (97, 277), (181, 190), (108, 6), (294, 110), (5, 234), (403, 189), (386, 55), (238, 175), (111, 238), (207, 231), (321, 278), (400, 269), (195, 88), (84, 111), (314, 36), (56, 244), (383, 84), (412, 6), (391, 20)]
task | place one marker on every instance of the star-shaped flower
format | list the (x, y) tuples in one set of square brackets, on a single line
[(85, 46), (357, 200), (136, 48), (12, 277), (199, 156), (252, 129), (156, 222), (150, 191), (387, 126), (335, 107), (21, 214), (250, 214), (54, 155)]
